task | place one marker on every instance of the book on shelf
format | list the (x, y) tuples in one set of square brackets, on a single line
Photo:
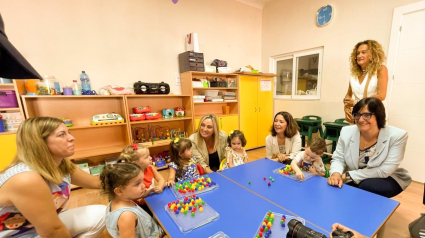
[(228, 97), (217, 100), (230, 100)]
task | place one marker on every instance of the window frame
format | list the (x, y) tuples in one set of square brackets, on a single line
[(295, 59)]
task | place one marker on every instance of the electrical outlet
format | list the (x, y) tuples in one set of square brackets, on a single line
[(177, 79)]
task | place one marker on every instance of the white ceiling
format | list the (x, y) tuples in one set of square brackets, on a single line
[(255, 3)]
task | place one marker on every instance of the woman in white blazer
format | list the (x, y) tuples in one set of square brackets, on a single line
[(369, 153), (284, 142)]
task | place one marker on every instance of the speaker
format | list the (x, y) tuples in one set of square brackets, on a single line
[(151, 88)]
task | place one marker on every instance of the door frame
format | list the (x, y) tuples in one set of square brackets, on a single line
[(396, 29)]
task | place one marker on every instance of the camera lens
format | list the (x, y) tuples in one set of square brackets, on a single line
[(298, 230)]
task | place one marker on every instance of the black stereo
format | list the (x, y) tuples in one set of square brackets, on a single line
[(151, 88)]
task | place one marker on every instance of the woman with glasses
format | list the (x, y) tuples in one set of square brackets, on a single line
[(369, 77), (369, 153)]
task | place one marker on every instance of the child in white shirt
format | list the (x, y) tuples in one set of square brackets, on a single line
[(310, 159)]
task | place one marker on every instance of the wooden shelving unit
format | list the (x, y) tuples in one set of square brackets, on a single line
[(227, 122)]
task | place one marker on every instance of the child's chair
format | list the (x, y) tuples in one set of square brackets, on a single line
[(222, 163), (200, 169)]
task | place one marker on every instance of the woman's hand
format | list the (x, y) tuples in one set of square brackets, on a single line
[(335, 180), (349, 102), (158, 189), (282, 157), (340, 227)]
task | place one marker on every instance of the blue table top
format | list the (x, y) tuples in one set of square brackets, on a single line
[(241, 211), (314, 200)]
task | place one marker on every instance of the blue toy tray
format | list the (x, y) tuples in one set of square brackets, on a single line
[(219, 234), (187, 223), (307, 175), (179, 195), (277, 230)]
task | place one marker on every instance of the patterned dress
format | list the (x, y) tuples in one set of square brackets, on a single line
[(189, 170), (237, 159)]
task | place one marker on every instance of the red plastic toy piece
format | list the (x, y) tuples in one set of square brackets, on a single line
[(152, 116), (137, 117), (142, 109), (264, 178)]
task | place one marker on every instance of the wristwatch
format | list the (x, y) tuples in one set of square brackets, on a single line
[(347, 175)]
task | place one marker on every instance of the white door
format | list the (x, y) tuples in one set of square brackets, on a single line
[(406, 65)]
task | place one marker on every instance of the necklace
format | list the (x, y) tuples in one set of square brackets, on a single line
[(364, 71)]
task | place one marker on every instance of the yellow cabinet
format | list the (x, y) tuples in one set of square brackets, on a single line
[(256, 108), (8, 148), (225, 123)]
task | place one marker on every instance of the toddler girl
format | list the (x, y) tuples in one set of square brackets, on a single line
[(123, 183), (140, 156), (183, 163), (235, 153)]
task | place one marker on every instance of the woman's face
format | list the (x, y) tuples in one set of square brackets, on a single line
[(60, 143), (366, 125), (363, 55), (144, 158), (207, 128), (279, 124)]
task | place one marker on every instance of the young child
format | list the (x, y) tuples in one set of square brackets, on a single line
[(183, 164), (123, 183), (235, 153), (140, 156), (310, 159)]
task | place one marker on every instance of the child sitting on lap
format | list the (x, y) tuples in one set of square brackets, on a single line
[(310, 159), (183, 163), (235, 153)]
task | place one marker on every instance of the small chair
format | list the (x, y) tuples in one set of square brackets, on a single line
[(200, 169), (308, 125), (332, 130), (222, 163)]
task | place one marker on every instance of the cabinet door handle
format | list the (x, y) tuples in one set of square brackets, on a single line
[(255, 110), (259, 109)]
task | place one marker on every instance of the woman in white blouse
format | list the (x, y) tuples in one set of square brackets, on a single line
[(369, 77), (284, 142)]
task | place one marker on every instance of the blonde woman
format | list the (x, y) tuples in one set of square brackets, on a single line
[(35, 187), (209, 143), (369, 77)]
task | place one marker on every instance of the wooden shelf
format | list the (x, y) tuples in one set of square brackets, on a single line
[(10, 109), (216, 88), (8, 132), (75, 127), (6, 85), (71, 96), (84, 154), (214, 102), (214, 74), (156, 95), (161, 120)]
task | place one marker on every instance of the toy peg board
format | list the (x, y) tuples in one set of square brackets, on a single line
[(198, 189), (219, 234), (280, 171), (186, 222), (276, 228)]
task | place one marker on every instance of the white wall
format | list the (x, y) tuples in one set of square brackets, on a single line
[(121, 42), (290, 26)]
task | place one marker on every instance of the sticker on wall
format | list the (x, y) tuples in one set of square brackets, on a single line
[(175, 1)]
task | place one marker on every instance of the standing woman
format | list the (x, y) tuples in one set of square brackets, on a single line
[(284, 142), (35, 186), (369, 77), (209, 143)]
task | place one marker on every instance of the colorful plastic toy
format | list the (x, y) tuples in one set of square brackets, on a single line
[(152, 116), (137, 117), (168, 113), (159, 161), (106, 119), (194, 186), (179, 111), (68, 122), (139, 110), (267, 229)]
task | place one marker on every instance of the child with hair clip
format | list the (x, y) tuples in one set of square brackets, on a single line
[(183, 163), (123, 183), (235, 152), (140, 155), (310, 159)]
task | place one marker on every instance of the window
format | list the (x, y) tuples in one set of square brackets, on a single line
[(299, 75)]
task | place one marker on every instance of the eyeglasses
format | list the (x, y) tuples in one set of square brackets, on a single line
[(365, 116)]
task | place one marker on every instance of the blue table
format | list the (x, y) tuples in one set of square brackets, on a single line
[(241, 211), (314, 200)]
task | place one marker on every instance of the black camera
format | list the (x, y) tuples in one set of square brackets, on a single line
[(341, 234), (298, 230)]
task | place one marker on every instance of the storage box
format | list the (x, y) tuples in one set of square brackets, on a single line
[(211, 93), (4, 80), (11, 120), (224, 69), (8, 99), (191, 61), (96, 169)]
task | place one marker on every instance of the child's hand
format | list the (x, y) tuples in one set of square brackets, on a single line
[(312, 170), (300, 175), (170, 183), (157, 189)]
